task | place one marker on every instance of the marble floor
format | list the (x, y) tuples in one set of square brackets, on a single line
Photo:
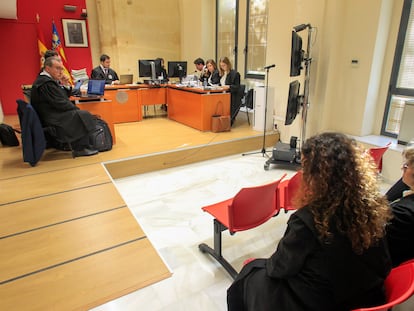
[(167, 204)]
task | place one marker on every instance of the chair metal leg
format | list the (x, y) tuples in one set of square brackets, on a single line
[(216, 252)]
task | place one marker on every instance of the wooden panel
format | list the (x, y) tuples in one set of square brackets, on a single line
[(39, 249), (125, 105), (31, 214), (102, 109), (52, 182), (196, 109), (163, 160), (152, 96), (88, 282)]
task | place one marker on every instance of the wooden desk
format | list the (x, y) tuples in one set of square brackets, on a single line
[(152, 96), (102, 108), (125, 104), (195, 107)]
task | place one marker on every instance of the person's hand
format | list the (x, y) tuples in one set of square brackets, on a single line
[(115, 82), (64, 80)]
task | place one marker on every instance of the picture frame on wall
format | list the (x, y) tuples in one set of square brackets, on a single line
[(74, 31)]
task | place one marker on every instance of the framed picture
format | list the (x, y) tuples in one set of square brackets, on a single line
[(74, 31)]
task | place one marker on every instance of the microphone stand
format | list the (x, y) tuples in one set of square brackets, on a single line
[(263, 151)]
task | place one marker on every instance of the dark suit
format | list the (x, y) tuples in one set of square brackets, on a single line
[(400, 230), (307, 274), (214, 78), (233, 79), (99, 74)]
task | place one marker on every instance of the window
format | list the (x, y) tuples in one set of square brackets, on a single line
[(227, 25), (402, 77), (256, 38)]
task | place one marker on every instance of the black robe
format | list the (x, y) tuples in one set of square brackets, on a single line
[(54, 108), (306, 274), (400, 231), (98, 74)]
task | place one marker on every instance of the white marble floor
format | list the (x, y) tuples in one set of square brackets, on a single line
[(167, 204)]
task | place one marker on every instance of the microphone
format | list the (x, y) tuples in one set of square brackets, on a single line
[(300, 27), (269, 66)]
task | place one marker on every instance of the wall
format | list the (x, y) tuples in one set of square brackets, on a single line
[(19, 60)]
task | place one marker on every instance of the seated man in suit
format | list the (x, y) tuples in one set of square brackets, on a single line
[(55, 110), (103, 72)]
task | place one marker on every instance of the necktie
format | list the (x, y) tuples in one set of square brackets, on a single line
[(106, 71)]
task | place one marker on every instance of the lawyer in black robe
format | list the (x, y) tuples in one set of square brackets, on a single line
[(54, 108)]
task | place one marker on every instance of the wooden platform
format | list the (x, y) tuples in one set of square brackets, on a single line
[(67, 239)]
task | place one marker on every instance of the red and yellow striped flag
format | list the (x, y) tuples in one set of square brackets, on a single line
[(40, 42)]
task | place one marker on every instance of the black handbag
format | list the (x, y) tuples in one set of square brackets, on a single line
[(8, 136)]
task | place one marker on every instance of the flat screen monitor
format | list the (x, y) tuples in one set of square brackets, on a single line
[(294, 101), (148, 68), (177, 69), (296, 56)]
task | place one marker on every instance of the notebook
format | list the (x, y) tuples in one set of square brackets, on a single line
[(96, 89), (125, 79)]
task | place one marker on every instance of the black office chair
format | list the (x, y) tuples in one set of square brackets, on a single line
[(30, 123), (237, 94), (33, 137)]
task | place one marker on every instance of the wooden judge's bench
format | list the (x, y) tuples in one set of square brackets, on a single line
[(191, 106)]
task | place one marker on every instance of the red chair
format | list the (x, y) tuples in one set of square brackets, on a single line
[(399, 286), (377, 153), (287, 189), (249, 208)]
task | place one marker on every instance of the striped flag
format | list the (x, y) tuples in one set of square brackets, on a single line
[(57, 46), (40, 42)]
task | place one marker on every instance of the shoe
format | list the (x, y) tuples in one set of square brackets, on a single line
[(85, 152)]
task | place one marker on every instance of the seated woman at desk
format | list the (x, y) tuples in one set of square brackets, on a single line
[(213, 73), (230, 80)]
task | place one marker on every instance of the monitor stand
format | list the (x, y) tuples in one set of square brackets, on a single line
[(285, 155)]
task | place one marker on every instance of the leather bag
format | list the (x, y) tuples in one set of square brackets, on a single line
[(220, 123)]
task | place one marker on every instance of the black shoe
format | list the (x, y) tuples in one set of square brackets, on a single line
[(85, 152)]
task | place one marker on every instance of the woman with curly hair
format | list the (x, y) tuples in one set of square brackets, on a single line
[(333, 255)]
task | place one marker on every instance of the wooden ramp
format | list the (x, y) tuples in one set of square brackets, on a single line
[(67, 239)]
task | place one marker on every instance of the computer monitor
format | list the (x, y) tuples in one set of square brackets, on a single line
[(294, 102), (296, 56), (177, 69), (148, 68)]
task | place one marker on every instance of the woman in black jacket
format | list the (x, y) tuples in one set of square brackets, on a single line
[(333, 255)]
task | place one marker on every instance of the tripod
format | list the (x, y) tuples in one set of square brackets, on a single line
[(263, 151)]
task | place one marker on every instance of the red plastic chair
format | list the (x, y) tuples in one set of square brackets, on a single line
[(399, 286), (377, 153), (249, 208), (287, 189)]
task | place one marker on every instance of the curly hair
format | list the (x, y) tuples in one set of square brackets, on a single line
[(340, 187)]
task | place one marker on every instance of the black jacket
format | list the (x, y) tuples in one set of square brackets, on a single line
[(400, 231), (54, 108), (98, 74), (307, 274)]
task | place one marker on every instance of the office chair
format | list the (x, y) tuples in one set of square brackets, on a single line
[(287, 190), (236, 96), (52, 136), (399, 286), (377, 153), (249, 208), (33, 137)]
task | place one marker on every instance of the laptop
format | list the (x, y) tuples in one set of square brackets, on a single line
[(125, 79), (76, 89), (96, 89)]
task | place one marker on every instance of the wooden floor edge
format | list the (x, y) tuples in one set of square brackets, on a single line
[(173, 158)]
